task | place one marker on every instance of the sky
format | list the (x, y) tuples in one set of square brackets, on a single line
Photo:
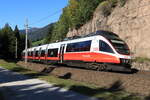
[(38, 12)]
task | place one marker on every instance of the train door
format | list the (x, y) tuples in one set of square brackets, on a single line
[(46, 54), (39, 55), (34, 53), (61, 53)]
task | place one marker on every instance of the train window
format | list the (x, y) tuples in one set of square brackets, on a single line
[(28, 53), (105, 47), (52, 52), (79, 46), (31, 53), (23, 54), (36, 53), (121, 47), (42, 53)]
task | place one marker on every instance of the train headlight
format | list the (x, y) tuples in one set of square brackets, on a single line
[(125, 61)]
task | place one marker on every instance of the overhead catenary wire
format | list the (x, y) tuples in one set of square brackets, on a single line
[(58, 11), (130, 9), (46, 17)]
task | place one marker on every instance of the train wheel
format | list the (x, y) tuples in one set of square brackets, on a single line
[(92, 66), (102, 67)]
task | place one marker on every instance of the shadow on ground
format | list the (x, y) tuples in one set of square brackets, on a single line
[(11, 60), (48, 70), (117, 86), (41, 91), (66, 76), (8, 76), (114, 92), (147, 98), (19, 69)]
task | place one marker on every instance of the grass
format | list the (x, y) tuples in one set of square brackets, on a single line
[(37, 43), (115, 92), (141, 59)]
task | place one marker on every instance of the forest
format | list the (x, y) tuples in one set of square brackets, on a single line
[(74, 15), (9, 40)]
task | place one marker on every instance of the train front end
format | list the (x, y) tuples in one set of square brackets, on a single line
[(117, 51), (123, 53)]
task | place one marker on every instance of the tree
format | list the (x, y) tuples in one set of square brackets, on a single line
[(1, 43), (74, 15), (72, 11), (8, 41), (50, 32), (17, 33), (18, 39)]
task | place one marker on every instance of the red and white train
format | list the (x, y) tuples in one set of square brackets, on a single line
[(101, 50)]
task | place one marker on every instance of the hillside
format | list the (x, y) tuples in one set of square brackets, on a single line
[(130, 22), (36, 34)]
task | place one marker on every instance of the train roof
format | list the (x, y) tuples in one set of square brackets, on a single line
[(106, 34)]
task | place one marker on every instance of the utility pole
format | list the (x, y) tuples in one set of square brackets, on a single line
[(16, 49), (26, 41)]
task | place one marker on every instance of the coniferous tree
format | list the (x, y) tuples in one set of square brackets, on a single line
[(74, 15), (11, 42), (18, 39), (49, 35), (1, 44), (8, 39), (5, 40), (17, 33)]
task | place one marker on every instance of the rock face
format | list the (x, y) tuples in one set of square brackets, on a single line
[(131, 22)]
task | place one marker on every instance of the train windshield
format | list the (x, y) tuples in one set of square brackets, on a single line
[(121, 47)]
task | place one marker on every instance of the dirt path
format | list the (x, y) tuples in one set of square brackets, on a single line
[(19, 87)]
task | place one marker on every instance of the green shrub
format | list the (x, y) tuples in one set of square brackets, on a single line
[(113, 3), (107, 7), (77, 13), (74, 15), (141, 59), (122, 2)]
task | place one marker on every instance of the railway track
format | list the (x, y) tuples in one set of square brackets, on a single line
[(138, 82)]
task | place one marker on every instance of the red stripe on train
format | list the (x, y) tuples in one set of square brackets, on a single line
[(91, 57), (88, 56)]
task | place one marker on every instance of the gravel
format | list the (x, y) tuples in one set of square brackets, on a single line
[(145, 66), (137, 83)]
